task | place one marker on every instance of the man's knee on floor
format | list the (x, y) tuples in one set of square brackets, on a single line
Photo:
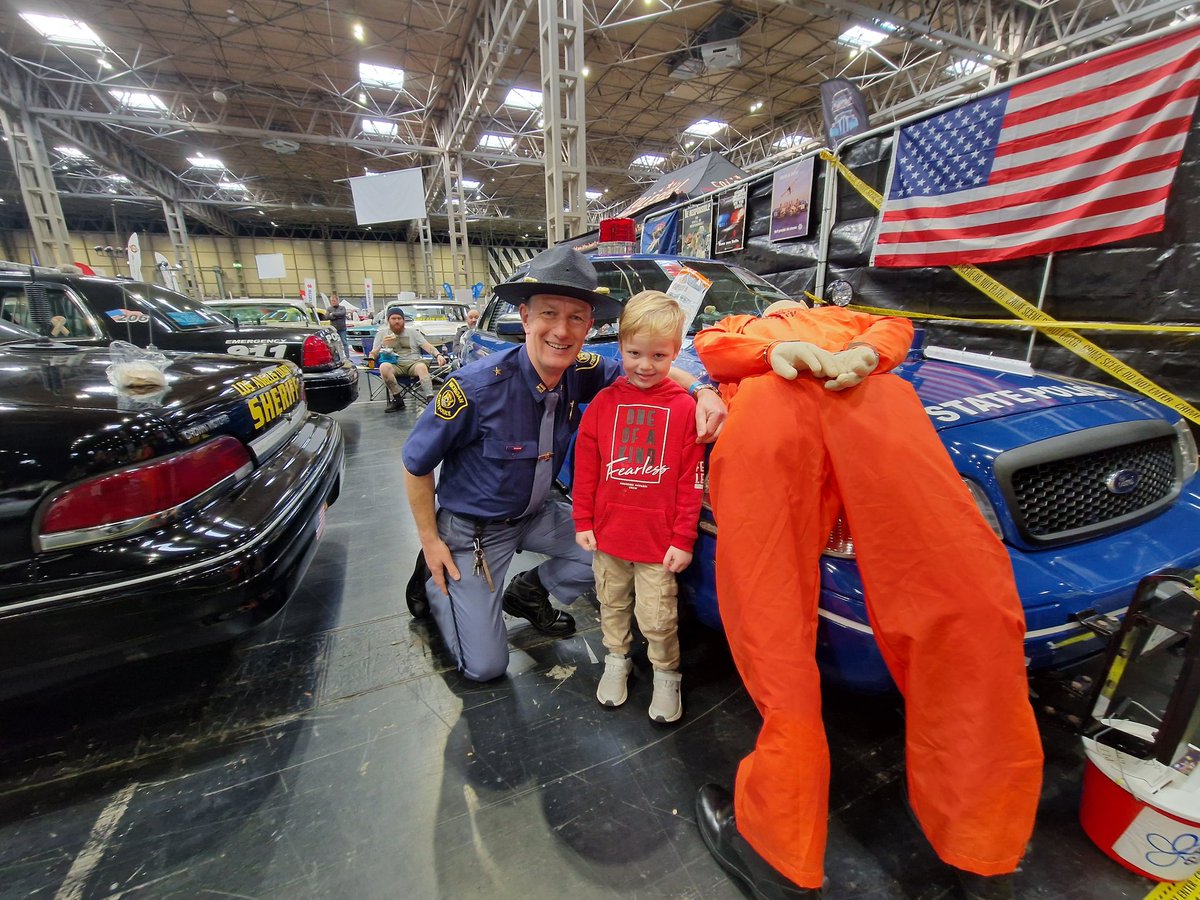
[(485, 669)]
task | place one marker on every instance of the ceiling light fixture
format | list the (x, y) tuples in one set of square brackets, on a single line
[(586, 71), (200, 161), (71, 152), (360, 33)]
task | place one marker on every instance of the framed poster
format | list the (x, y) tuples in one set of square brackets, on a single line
[(731, 221), (695, 230), (791, 196), (659, 233)]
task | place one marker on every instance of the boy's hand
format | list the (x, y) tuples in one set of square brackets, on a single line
[(586, 540), (676, 560)]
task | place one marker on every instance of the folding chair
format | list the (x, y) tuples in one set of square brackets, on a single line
[(376, 389)]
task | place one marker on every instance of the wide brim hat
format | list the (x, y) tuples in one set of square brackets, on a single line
[(565, 272)]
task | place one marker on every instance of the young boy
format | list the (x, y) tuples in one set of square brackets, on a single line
[(639, 478)]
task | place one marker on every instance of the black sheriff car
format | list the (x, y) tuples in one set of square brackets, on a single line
[(92, 311), (141, 517)]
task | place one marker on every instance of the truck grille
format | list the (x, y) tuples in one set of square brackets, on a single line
[(1066, 499)]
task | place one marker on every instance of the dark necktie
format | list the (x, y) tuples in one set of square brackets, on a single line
[(543, 473)]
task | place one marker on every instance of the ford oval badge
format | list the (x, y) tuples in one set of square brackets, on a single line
[(1123, 481)]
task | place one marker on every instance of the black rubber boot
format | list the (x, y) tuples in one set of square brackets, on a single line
[(414, 592), (395, 404), (714, 816), (526, 598)]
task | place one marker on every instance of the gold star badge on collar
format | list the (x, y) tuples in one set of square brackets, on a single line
[(497, 371)]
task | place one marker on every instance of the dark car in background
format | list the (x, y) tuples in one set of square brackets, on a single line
[(141, 519), (93, 311), (1089, 487)]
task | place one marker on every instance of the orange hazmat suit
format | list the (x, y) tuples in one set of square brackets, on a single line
[(939, 591)]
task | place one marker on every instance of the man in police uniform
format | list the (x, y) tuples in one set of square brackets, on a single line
[(500, 429)]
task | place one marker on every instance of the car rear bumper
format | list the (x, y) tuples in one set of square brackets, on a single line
[(328, 392), (59, 629)]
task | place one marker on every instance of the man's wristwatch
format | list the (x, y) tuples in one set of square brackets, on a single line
[(697, 386)]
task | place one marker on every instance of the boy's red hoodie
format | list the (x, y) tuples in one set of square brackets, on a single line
[(639, 473)]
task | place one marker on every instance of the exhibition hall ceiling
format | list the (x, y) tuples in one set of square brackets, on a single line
[(256, 114)]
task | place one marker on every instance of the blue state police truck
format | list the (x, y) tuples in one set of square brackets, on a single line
[(1089, 487)]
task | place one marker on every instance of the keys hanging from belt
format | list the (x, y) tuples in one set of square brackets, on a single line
[(481, 565)]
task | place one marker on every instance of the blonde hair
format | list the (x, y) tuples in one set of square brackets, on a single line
[(652, 312)]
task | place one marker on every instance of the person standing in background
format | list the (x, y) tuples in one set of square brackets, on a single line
[(337, 318)]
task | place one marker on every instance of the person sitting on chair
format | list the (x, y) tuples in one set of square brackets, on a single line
[(398, 352)]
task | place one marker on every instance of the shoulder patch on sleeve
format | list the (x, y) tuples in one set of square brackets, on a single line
[(585, 361), (450, 400)]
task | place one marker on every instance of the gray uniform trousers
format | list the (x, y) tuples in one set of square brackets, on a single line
[(471, 619)]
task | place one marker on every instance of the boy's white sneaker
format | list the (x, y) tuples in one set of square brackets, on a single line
[(612, 691), (665, 705)]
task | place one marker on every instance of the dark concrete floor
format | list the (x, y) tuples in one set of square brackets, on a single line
[(336, 753)]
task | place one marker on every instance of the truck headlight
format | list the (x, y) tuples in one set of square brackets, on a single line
[(985, 507), (1187, 448)]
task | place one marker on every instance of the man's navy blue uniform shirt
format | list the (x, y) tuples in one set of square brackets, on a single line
[(483, 429)]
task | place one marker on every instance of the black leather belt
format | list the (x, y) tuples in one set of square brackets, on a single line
[(480, 522)]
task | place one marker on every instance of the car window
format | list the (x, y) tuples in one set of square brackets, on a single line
[(10, 332), (183, 313), (64, 317)]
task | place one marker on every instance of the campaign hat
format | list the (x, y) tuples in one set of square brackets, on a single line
[(565, 272)]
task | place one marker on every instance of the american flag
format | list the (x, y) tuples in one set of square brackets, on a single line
[(1081, 156)]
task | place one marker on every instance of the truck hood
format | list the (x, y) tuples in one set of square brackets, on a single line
[(954, 394)]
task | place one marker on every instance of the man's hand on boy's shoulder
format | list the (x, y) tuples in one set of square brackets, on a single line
[(586, 540), (710, 416)]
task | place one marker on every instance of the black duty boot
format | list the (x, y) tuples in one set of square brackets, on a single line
[(526, 598), (395, 404), (985, 887), (714, 815), (414, 592)]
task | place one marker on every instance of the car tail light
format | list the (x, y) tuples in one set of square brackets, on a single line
[(840, 543), (142, 496), (316, 352)]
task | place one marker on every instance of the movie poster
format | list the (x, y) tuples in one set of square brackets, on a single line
[(659, 233), (791, 195), (695, 230), (731, 221)]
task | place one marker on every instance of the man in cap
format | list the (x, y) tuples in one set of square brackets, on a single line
[(500, 429), (399, 354)]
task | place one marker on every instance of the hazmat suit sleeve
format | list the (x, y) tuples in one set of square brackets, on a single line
[(728, 353)]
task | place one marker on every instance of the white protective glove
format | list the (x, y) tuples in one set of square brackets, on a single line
[(854, 364), (788, 358)]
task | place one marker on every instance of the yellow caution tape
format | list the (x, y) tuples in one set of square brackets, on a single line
[(1028, 313), (1016, 323), (1177, 890)]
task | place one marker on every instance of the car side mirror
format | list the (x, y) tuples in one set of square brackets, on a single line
[(510, 329)]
